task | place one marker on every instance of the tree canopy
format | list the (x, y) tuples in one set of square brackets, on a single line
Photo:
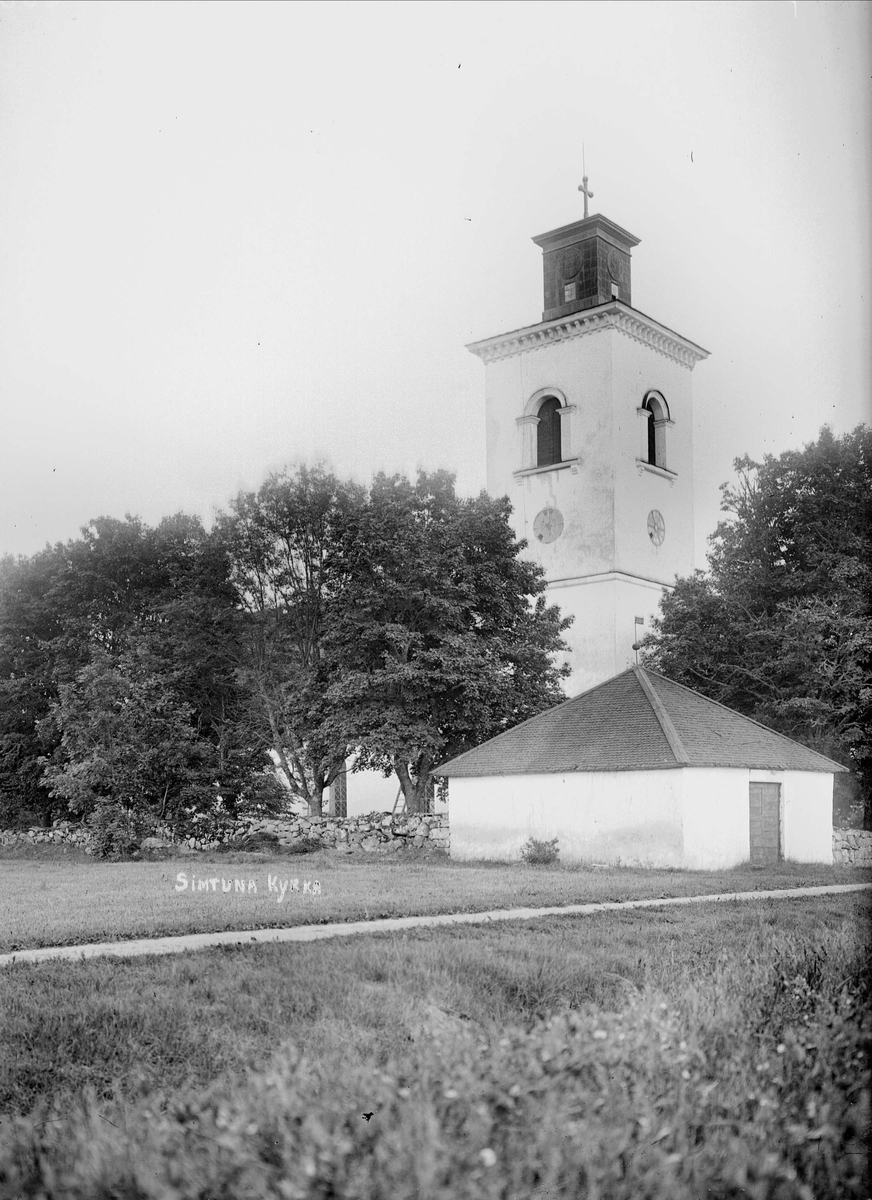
[(318, 622), (123, 606), (278, 542), (780, 626), (439, 624)]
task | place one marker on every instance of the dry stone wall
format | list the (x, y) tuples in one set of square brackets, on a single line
[(374, 833), (60, 833), (852, 847), (380, 833)]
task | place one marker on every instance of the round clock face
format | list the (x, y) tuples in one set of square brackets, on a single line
[(614, 263), (571, 264), (548, 525), (656, 527)]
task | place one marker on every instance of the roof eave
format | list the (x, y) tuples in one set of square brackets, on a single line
[(827, 764), (613, 315), (831, 768)]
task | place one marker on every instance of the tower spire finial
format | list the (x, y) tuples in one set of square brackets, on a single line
[(582, 187)]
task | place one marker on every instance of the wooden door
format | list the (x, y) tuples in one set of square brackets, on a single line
[(765, 814)]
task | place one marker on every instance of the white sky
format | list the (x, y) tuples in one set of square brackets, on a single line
[(233, 236)]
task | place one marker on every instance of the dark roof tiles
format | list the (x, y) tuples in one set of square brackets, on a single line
[(636, 721)]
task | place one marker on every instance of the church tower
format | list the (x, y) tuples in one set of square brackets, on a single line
[(590, 435)]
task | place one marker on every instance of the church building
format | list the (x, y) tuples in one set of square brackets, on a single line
[(590, 434)]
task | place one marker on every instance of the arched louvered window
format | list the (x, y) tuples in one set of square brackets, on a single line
[(548, 433), (657, 423)]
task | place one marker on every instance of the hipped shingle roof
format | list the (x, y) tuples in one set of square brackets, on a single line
[(636, 721)]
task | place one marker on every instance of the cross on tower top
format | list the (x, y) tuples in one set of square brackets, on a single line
[(582, 187)]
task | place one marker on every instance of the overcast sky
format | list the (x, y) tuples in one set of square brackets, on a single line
[(235, 236)]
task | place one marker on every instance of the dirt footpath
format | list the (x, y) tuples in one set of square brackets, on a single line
[(315, 933)]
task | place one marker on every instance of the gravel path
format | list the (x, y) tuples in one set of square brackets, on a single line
[(315, 933)]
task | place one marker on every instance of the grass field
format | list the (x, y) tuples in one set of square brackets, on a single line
[(681, 1054), (55, 899)]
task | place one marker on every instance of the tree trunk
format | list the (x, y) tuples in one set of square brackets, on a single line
[(407, 786), (316, 799), (285, 767), (414, 790)]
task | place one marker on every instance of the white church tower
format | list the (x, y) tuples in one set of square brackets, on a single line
[(590, 435)]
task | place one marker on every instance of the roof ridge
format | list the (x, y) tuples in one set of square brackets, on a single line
[(671, 733), (735, 713), (597, 686)]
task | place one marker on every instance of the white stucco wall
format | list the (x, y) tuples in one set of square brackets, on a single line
[(604, 498), (697, 818), (637, 369), (603, 630), (715, 817), (580, 370), (603, 569), (807, 816), (633, 817)]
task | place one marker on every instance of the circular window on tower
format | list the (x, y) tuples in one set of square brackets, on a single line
[(548, 525), (656, 527)]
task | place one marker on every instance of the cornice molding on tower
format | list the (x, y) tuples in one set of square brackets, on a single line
[(617, 316)]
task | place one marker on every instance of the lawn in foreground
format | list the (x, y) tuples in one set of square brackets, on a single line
[(60, 900), (719, 1052)]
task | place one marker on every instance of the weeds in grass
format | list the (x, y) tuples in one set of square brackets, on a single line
[(264, 842), (735, 1065), (304, 845), (536, 853), (260, 841)]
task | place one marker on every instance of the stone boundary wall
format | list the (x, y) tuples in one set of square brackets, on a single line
[(852, 847), (61, 832), (374, 833)]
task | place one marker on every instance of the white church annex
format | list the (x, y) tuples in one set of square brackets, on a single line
[(644, 772)]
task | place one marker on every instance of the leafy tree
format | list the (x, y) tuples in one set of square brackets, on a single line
[(121, 589), (193, 632), (278, 542), (115, 571), (29, 628), (780, 627), (441, 629), (123, 737), (141, 666), (54, 608)]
